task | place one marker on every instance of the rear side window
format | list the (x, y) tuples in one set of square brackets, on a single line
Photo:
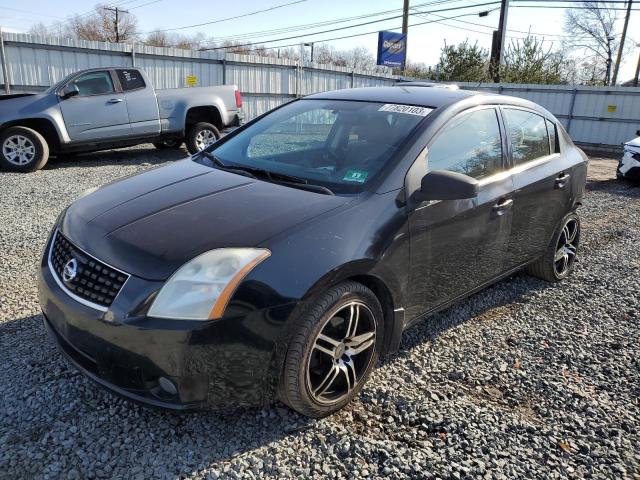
[(528, 135), (553, 137), (130, 79), (470, 144)]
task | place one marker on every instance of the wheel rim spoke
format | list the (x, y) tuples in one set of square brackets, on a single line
[(559, 255), (352, 322), (361, 343), (327, 381)]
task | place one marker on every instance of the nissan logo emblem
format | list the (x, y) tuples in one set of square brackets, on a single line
[(70, 270)]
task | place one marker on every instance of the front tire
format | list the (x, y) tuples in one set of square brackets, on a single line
[(333, 351), (23, 150), (559, 260), (200, 136)]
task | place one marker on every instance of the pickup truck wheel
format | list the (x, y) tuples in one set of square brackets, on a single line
[(200, 136), (170, 143), (23, 150)]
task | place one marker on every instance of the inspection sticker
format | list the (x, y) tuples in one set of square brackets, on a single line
[(410, 109), (358, 176)]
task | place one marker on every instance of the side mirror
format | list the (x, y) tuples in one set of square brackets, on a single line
[(445, 185), (70, 90), (638, 133)]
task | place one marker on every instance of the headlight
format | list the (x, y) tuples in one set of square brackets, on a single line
[(201, 288)]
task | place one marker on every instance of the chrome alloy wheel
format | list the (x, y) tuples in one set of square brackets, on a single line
[(19, 150), (204, 138), (341, 353), (566, 248)]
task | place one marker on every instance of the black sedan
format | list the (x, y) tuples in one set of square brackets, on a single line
[(283, 260)]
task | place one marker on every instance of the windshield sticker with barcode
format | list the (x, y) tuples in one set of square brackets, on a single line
[(410, 109)]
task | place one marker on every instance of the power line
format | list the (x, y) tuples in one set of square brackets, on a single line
[(247, 36), (349, 36), (353, 26), (228, 18)]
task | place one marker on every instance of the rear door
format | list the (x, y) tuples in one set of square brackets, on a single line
[(98, 112), (459, 245), (542, 190), (141, 102)]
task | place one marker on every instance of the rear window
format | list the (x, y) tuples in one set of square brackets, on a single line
[(130, 79)]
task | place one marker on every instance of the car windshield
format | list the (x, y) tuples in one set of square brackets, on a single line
[(337, 144)]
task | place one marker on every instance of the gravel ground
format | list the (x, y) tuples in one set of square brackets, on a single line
[(524, 379)]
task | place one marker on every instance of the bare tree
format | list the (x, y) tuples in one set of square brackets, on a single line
[(592, 30), (100, 26)]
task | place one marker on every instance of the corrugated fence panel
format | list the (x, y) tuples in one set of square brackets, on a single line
[(606, 116)]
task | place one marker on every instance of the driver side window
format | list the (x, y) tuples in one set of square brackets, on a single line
[(94, 83), (470, 144)]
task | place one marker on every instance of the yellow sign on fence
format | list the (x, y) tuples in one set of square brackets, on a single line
[(612, 108), (192, 80)]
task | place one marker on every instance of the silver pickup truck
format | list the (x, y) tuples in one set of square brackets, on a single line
[(106, 108)]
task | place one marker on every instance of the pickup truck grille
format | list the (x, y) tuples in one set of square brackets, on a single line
[(94, 283)]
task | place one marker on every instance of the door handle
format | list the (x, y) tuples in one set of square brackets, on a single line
[(502, 206), (561, 180), (116, 100)]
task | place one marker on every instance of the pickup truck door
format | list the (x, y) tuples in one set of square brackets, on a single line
[(98, 112), (142, 104)]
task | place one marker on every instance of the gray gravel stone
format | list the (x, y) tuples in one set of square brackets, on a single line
[(523, 380)]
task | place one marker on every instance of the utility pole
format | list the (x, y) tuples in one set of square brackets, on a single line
[(635, 81), (310, 45), (405, 29), (497, 45), (116, 22), (622, 39)]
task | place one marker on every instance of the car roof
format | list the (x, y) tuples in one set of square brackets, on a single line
[(407, 95)]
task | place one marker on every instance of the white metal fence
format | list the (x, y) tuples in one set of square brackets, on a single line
[(595, 117)]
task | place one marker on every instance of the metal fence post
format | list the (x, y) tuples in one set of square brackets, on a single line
[(353, 77), (224, 70), (573, 102), (133, 54), (3, 62)]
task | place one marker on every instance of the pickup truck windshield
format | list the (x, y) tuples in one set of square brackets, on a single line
[(337, 144)]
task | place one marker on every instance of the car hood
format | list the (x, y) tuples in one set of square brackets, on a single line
[(634, 143), (152, 223), (24, 105)]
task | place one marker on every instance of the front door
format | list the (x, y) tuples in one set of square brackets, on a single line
[(459, 245), (98, 112)]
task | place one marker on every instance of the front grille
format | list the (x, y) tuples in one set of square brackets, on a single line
[(94, 281)]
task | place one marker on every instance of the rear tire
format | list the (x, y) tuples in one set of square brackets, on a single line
[(200, 136), (335, 347), (23, 149), (559, 260)]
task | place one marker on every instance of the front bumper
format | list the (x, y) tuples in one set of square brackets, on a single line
[(218, 364), (629, 165)]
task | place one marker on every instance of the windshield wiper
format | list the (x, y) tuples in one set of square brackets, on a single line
[(223, 166), (274, 177)]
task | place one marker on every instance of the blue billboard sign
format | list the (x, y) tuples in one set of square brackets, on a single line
[(392, 49)]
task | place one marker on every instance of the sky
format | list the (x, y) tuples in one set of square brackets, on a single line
[(424, 42)]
